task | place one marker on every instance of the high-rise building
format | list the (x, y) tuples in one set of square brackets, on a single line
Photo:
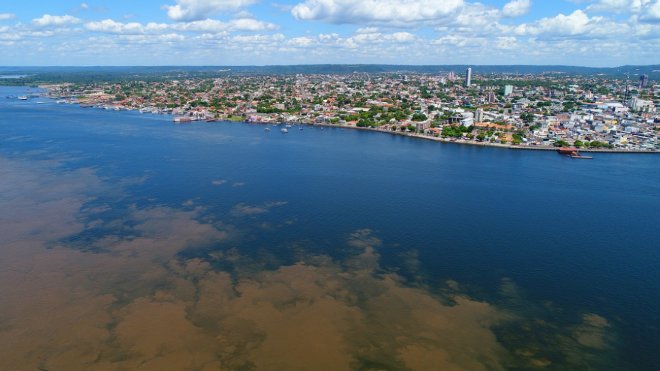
[(643, 81), (468, 77), (490, 97), (508, 90), (479, 115)]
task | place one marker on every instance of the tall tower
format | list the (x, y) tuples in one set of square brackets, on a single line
[(627, 95), (468, 77), (643, 81)]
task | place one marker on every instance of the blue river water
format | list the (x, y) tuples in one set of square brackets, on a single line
[(550, 240)]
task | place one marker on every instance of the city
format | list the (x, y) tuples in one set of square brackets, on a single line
[(517, 111)]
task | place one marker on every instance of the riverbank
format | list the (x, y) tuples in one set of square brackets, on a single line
[(407, 134), (481, 144)]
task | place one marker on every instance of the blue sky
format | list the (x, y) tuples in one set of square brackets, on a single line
[(262, 32)]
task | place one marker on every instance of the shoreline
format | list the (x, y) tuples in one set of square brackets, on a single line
[(465, 142), (410, 135)]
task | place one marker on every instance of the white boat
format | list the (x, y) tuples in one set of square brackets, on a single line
[(23, 97), (288, 126), (267, 129), (284, 130)]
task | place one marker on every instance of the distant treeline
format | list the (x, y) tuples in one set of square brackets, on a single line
[(36, 75)]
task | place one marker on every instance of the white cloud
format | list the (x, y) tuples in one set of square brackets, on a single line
[(367, 30), (111, 26), (647, 11), (379, 37), (572, 24), (375, 11), (207, 26), (84, 6), (458, 31), (258, 39), (473, 19), (195, 10), (214, 26), (301, 41), (250, 24), (650, 12), (55, 20), (150, 39), (576, 24), (6, 16), (7, 34), (506, 43), (615, 6), (516, 8)]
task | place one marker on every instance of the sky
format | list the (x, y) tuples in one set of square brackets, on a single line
[(603, 33)]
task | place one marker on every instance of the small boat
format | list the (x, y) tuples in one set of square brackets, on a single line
[(284, 130), (23, 97), (267, 129), (300, 128), (580, 157), (288, 126), (41, 102)]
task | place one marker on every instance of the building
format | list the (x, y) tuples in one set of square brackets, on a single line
[(490, 97), (421, 126), (641, 105), (508, 90), (479, 115), (468, 77), (643, 81), (467, 119)]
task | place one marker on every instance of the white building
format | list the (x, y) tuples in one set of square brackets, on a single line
[(468, 119), (641, 105), (479, 115)]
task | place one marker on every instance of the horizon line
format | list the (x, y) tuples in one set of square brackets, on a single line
[(330, 64)]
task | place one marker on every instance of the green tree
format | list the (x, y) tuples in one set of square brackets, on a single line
[(418, 116), (527, 117)]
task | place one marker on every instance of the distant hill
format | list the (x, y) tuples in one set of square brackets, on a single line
[(110, 73)]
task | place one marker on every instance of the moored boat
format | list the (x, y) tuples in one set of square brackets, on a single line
[(180, 120), (570, 151), (573, 153)]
